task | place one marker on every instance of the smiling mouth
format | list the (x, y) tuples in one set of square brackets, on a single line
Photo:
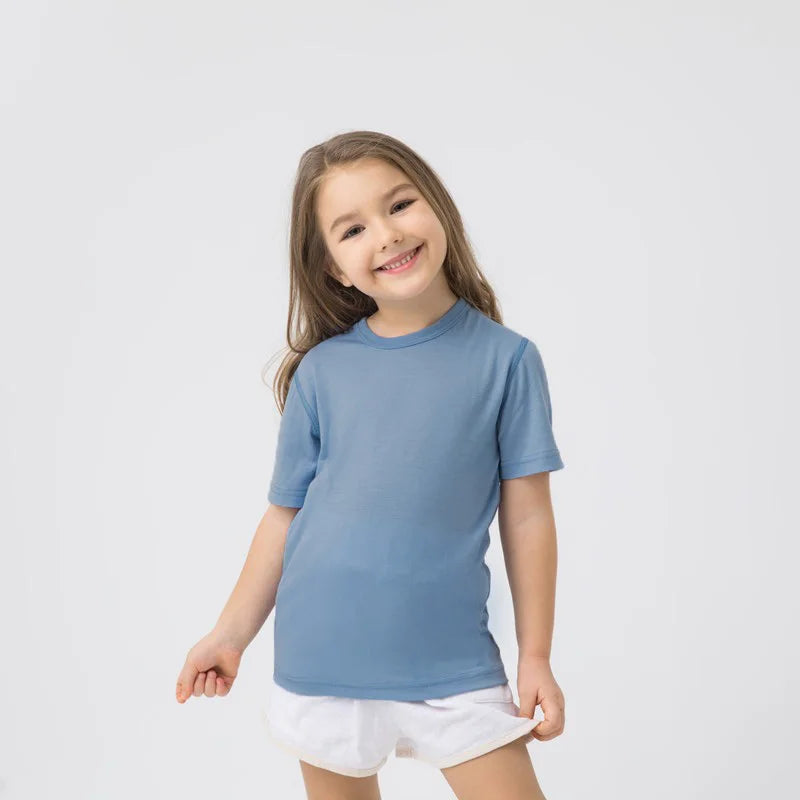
[(408, 261)]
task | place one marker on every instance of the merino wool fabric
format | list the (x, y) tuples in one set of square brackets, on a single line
[(393, 450)]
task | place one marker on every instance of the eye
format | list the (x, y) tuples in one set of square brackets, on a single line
[(398, 203)]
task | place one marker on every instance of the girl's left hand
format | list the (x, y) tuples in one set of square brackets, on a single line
[(537, 686)]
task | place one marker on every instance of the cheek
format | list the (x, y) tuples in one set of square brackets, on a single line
[(435, 235), (362, 261), (356, 257), (430, 228)]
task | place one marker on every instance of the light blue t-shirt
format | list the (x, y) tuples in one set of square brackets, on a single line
[(394, 448)]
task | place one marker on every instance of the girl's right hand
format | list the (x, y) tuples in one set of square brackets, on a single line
[(210, 669)]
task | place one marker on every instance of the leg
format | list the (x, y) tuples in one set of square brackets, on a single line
[(322, 784), (505, 773)]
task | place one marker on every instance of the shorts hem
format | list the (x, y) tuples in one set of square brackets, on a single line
[(352, 772), (483, 748)]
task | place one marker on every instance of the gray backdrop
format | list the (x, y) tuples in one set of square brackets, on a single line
[(628, 175)]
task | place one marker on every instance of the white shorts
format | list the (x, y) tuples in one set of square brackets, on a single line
[(354, 736)]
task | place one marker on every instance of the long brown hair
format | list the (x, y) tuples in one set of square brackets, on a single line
[(319, 306)]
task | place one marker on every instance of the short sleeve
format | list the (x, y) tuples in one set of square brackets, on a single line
[(525, 424), (297, 451)]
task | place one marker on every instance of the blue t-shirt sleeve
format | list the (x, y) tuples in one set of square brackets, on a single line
[(525, 425), (297, 451)]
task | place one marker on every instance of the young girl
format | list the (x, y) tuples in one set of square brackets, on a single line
[(410, 413)]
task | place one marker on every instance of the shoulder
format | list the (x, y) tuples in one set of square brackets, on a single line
[(325, 354), (501, 341)]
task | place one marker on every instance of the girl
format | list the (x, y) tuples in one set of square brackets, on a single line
[(410, 413)]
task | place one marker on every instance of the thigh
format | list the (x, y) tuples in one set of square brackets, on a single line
[(322, 784), (505, 773)]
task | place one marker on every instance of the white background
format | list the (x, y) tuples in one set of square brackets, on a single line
[(628, 175)]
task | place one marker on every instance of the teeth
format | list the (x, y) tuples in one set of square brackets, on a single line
[(397, 264)]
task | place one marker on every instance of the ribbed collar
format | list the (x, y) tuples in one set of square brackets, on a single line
[(446, 321)]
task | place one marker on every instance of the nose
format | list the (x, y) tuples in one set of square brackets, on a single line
[(390, 236)]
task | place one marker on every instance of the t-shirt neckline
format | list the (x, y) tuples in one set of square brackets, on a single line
[(447, 320)]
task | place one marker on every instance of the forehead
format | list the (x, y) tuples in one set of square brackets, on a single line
[(352, 187)]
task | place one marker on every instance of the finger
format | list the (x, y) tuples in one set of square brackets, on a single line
[(199, 684), (223, 686), (552, 724), (557, 714), (211, 683), (183, 689)]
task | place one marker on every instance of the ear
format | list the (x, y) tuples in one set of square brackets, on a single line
[(337, 274)]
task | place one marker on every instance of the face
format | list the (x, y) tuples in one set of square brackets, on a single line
[(366, 222)]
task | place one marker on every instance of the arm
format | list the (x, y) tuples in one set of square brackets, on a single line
[(212, 664), (528, 537), (253, 597)]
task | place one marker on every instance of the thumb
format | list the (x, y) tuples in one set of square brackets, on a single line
[(185, 685), (527, 707)]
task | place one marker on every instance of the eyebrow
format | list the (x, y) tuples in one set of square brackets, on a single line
[(345, 217)]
